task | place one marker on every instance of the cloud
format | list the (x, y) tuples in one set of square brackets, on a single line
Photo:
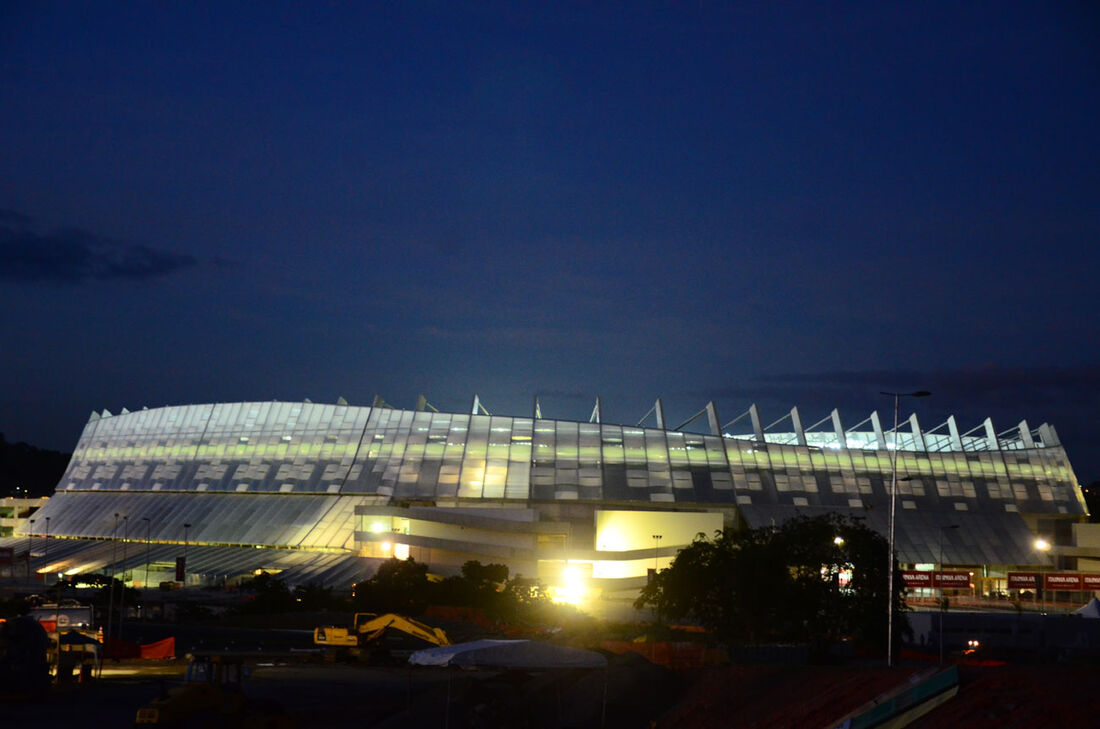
[(13, 217), (987, 379), (74, 256)]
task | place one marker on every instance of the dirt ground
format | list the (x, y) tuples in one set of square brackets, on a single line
[(631, 693), (778, 697)]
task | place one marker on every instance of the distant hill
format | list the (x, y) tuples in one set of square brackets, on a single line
[(23, 466)]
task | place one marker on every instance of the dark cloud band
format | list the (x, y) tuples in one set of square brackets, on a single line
[(75, 256)]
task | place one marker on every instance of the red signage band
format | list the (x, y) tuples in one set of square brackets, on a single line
[(1062, 581), (912, 578), (1023, 580), (1054, 581), (951, 579), (916, 579)]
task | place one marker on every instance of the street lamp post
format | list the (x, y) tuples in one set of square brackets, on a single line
[(656, 551), (30, 537), (185, 528), (111, 581), (942, 602), (893, 498), (1042, 546), (148, 527), (122, 591)]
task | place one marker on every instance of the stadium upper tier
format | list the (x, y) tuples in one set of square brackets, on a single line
[(307, 448)]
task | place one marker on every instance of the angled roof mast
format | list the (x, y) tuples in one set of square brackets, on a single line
[(477, 408), (657, 409), (595, 416)]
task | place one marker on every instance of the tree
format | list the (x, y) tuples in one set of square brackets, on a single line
[(789, 583), (269, 595), (314, 596), (479, 586), (399, 586)]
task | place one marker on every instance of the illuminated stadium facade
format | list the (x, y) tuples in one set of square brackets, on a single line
[(323, 492)]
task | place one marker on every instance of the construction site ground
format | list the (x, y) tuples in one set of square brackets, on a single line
[(777, 697), (749, 697)]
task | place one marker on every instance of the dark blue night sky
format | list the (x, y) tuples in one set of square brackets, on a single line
[(751, 202)]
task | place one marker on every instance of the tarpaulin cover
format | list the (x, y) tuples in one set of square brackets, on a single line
[(523, 654), (161, 649), (442, 656), (123, 649), (115, 648)]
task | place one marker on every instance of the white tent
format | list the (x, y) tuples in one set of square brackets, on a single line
[(1089, 610), (442, 656), (521, 654)]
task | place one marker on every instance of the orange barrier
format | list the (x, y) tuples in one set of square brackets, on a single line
[(161, 649)]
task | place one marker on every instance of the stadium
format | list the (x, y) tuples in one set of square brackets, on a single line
[(323, 493)]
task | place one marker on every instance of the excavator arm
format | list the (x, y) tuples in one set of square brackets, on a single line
[(372, 630)]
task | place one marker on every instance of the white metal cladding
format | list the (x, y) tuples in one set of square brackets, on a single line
[(306, 448), (289, 475)]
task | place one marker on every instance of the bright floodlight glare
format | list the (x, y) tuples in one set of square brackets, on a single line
[(838, 541), (572, 589), (1042, 545)]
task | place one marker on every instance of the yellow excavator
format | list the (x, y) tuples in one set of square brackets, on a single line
[(378, 637)]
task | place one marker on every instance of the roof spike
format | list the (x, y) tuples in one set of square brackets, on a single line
[(93, 417), (537, 414), (477, 408), (953, 433), (341, 401), (757, 427), (876, 425), (838, 428), (659, 411), (1025, 435), (992, 442), (796, 423), (106, 413), (918, 434), (712, 419), (595, 416)]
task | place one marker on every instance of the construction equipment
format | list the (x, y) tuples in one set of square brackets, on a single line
[(211, 696), (379, 637)]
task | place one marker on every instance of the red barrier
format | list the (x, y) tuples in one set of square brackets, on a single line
[(161, 649), (114, 648)]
